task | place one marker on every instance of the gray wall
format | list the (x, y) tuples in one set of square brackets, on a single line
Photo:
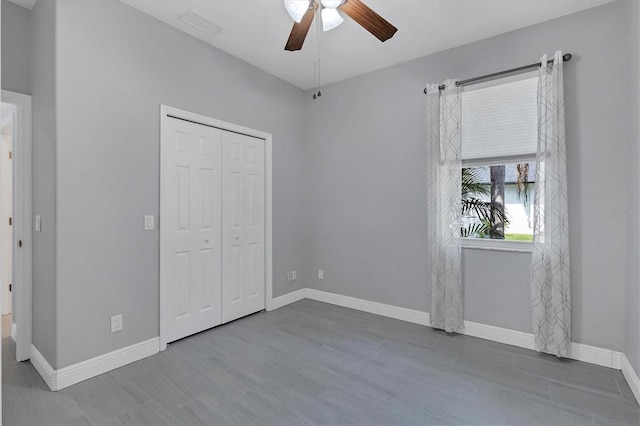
[(489, 273), (366, 174), (16, 48), (44, 142), (115, 66), (632, 339)]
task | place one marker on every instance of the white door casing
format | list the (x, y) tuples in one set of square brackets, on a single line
[(190, 233), (256, 177), (242, 226), (7, 136)]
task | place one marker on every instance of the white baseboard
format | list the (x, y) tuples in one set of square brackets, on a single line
[(47, 372), (596, 355), (499, 334), (76, 373), (288, 298), (14, 331), (578, 351), (632, 377), (404, 314)]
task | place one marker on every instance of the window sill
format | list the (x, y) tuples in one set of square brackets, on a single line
[(497, 245)]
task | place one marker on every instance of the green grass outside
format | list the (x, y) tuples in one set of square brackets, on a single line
[(518, 237)]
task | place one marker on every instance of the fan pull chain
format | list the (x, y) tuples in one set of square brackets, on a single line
[(319, 70), (314, 79), (316, 63)]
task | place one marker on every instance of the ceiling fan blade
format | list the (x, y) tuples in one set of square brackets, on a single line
[(370, 20), (300, 30)]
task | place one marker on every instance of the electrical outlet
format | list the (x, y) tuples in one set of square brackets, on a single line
[(321, 274), (293, 275), (289, 276), (116, 323)]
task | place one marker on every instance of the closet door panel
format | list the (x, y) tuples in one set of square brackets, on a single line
[(191, 210), (243, 279), (207, 298)]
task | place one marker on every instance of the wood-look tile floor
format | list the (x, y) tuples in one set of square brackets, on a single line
[(314, 363)]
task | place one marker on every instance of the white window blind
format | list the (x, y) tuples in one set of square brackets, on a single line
[(500, 120)]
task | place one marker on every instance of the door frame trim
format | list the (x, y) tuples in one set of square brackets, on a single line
[(22, 207), (7, 229), (165, 111)]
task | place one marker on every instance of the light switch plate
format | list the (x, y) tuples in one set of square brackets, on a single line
[(149, 223), (38, 223)]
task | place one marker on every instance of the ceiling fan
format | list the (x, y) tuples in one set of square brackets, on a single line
[(303, 11)]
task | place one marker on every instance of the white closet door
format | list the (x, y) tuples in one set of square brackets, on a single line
[(243, 233), (190, 229)]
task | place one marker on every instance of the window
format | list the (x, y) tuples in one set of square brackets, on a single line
[(499, 142)]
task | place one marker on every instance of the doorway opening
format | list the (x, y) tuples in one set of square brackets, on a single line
[(15, 220)]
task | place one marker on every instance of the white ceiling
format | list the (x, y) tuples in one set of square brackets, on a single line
[(25, 3), (257, 30)]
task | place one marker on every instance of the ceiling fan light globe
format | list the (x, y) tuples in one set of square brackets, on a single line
[(296, 8), (331, 4), (330, 19)]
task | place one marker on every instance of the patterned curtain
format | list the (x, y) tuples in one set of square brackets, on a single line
[(551, 296), (444, 113)]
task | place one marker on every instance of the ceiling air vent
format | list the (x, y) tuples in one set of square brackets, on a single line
[(201, 23)]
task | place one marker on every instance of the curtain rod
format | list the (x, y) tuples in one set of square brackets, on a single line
[(565, 58)]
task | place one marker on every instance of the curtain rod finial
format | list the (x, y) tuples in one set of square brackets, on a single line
[(566, 57)]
